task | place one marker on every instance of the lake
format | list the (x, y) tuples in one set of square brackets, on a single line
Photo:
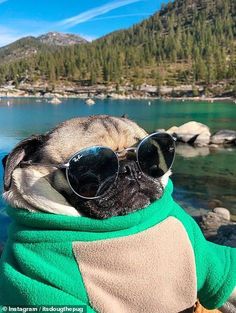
[(197, 180)]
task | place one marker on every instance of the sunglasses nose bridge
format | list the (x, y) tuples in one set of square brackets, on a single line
[(127, 153), (128, 167)]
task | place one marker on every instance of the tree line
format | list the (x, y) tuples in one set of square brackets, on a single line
[(187, 41)]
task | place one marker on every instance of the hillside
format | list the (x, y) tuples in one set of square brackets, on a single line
[(61, 39), (29, 46), (20, 49), (187, 42)]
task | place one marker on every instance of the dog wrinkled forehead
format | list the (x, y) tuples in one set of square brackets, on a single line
[(78, 133)]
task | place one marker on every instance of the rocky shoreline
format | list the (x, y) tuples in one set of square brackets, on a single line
[(185, 92), (218, 227)]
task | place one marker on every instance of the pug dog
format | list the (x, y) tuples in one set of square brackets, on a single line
[(100, 170), (45, 188)]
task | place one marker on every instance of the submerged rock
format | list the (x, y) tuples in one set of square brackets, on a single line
[(90, 102), (224, 136), (55, 100), (214, 203)]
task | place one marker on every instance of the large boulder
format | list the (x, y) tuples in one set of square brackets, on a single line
[(224, 136), (172, 130), (203, 139), (192, 133)]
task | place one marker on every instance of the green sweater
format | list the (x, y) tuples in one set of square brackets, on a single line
[(152, 260)]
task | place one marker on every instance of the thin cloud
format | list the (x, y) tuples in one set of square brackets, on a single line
[(120, 16), (8, 35), (90, 14), (36, 27)]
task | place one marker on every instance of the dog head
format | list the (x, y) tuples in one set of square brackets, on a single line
[(44, 188)]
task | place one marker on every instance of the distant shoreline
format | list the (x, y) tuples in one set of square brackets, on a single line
[(144, 92), (182, 99)]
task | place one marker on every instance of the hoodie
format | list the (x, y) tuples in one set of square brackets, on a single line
[(152, 260)]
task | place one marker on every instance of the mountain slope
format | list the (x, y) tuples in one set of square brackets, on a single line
[(200, 34), (186, 42), (22, 48), (29, 46), (60, 39)]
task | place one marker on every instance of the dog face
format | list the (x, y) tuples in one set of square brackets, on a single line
[(44, 188)]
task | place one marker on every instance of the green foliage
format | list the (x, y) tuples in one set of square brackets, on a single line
[(198, 34)]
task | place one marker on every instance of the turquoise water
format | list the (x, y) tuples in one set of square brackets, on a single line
[(197, 180)]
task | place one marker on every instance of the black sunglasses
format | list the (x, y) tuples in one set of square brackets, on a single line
[(91, 171)]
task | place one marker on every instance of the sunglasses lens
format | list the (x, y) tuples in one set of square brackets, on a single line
[(156, 154), (92, 171)]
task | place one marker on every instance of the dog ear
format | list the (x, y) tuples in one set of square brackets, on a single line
[(23, 151), (4, 161)]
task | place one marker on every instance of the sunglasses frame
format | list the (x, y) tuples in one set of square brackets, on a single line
[(117, 154)]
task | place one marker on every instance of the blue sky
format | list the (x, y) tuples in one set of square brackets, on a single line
[(90, 19)]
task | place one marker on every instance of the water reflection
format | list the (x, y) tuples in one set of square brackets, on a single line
[(187, 151), (203, 174)]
